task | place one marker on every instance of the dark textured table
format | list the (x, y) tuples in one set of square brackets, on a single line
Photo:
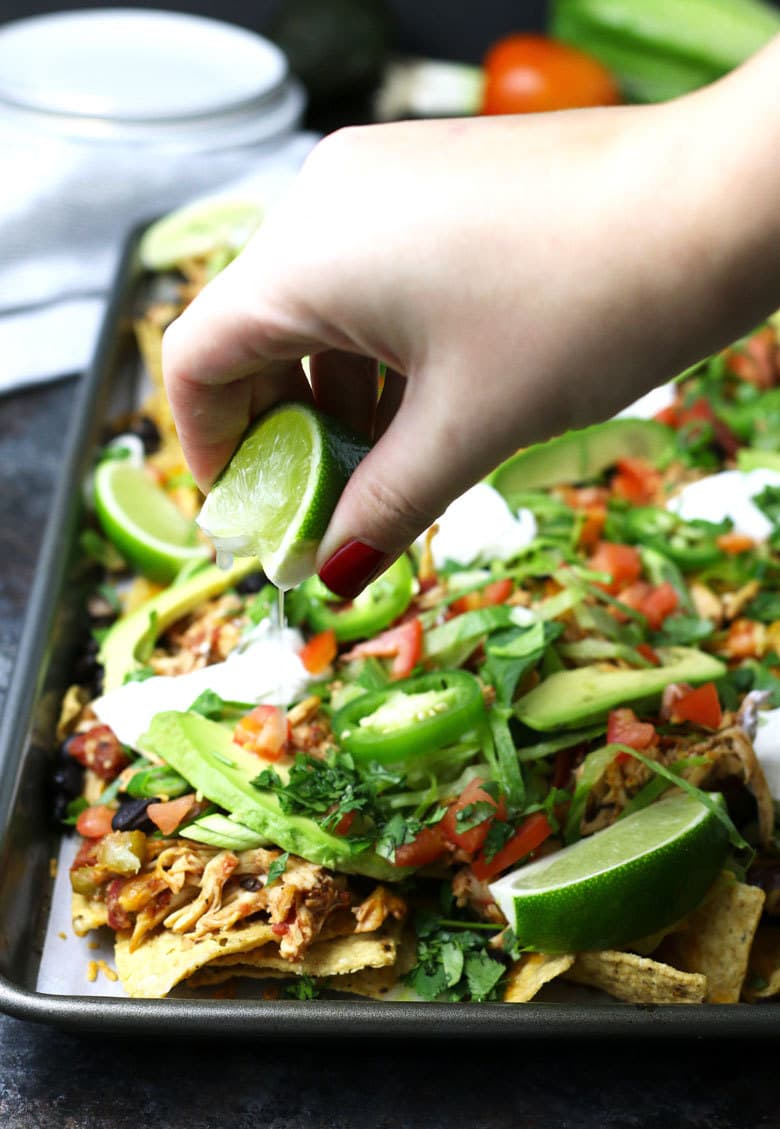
[(49, 1080)]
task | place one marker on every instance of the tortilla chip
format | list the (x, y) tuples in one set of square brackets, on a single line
[(76, 697), (763, 978), (637, 980), (718, 936), (531, 972), (337, 957), (87, 914), (165, 958)]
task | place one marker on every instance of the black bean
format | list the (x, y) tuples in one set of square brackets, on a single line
[(69, 778), (148, 432), (250, 584), (131, 816), (251, 883), (60, 806)]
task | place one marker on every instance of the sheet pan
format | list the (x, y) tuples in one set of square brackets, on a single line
[(55, 627)]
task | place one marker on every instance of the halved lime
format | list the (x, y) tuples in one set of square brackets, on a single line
[(275, 497), (634, 878), (198, 230), (142, 522)]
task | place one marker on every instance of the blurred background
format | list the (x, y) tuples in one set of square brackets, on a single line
[(433, 27)]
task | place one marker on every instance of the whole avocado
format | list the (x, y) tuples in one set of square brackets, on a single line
[(334, 46)]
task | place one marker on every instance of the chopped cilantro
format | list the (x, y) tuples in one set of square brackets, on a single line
[(140, 674), (277, 868), (74, 810), (453, 963), (304, 988)]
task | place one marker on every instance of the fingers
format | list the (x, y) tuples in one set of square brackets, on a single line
[(225, 359), (346, 387), (423, 460)]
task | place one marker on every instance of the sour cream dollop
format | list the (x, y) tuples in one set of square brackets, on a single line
[(266, 668), (767, 746), (479, 527), (728, 494)]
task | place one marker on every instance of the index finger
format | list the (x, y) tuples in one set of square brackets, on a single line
[(225, 360)]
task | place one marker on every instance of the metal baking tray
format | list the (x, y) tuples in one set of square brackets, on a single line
[(54, 629)]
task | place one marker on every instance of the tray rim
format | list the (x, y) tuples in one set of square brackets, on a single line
[(262, 1018)]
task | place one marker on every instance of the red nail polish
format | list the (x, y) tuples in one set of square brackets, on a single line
[(351, 568)]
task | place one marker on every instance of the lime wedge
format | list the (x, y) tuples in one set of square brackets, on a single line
[(198, 230), (142, 522), (275, 497), (634, 878)]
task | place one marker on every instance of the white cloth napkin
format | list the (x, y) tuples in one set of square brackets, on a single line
[(65, 210)]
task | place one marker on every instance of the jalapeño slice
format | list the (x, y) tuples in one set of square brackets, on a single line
[(374, 609), (417, 715), (690, 544)]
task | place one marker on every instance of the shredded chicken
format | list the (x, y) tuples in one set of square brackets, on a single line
[(469, 891), (730, 755), (196, 890), (372, 913), (207, 636)]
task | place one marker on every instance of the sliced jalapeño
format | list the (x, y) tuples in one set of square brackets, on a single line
[(411, 717)]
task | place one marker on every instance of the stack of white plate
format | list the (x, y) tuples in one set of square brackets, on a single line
[(145, 78)]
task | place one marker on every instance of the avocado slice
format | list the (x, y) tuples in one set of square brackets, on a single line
[(130, 635), (577, 456), (203, 753), (575, 697), (752, 458), (217, 830)]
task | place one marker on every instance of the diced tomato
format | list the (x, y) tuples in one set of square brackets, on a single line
[(118, 917), (319, 652), (344, 824), (403, 644), (594, 520), (584, 497), (621, 562), (168, 815), (700, 706), (264, 731), (625, 728), (636, 480), (473, 839), (734, 543), (426, 848), (647, 652), (757, 360), (531, 833), (498, 592), (659, 603), (94, 823), (669, 415), (99, 749)]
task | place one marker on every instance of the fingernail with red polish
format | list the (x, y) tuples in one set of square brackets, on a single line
[(351, 568)]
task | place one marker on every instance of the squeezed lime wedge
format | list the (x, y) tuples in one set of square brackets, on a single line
[(275, 497)]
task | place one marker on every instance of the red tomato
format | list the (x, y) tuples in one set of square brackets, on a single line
[(426, 848), (625, 728), (636, 480), (403, 644), (167, 816), (733, 543), (660, 603), (757, 360), (647, 652), (94, 823), (99, 749), (531, 833), (700, 706), (344, 824), (491, 595), (530, 73), (621, 562), (471, 840), (319, 652), (264, 731), (592, 526)]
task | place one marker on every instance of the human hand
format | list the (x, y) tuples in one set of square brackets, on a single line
[(518, 275)]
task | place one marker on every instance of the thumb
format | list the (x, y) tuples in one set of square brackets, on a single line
[(423, 461)]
